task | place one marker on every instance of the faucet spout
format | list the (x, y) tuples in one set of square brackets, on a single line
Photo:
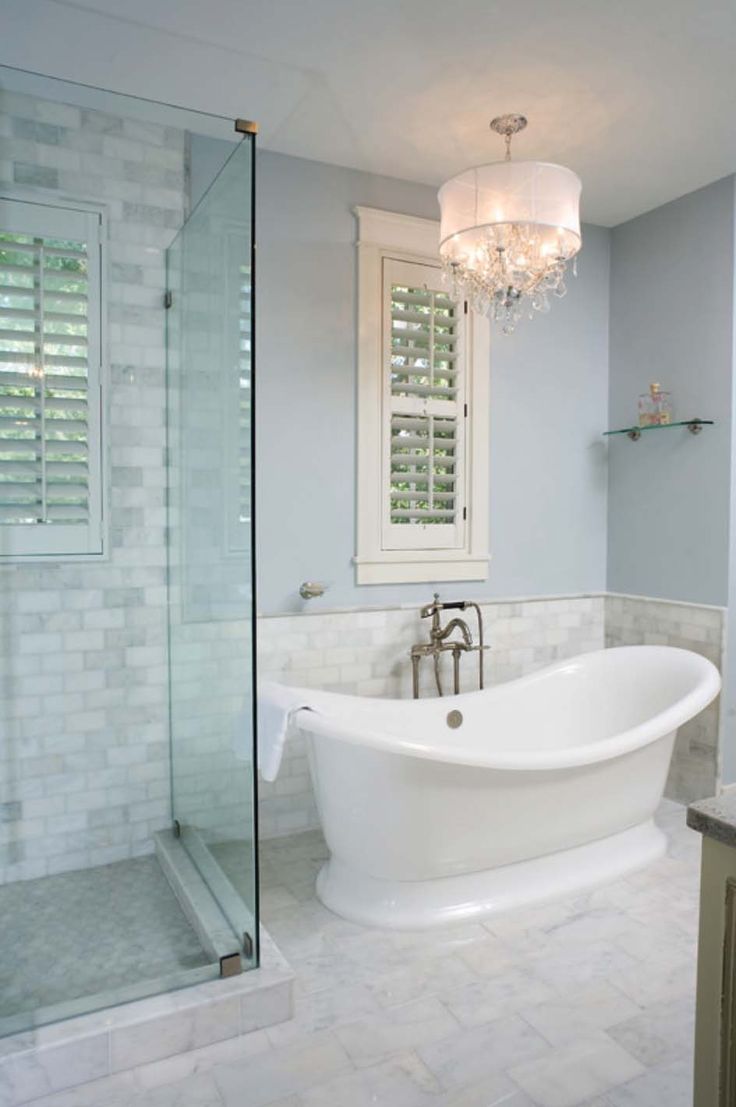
[(457, 624)]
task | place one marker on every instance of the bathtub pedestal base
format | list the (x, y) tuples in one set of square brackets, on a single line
[(403, 904)]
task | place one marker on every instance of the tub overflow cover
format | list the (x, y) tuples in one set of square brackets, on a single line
[(454, 719)]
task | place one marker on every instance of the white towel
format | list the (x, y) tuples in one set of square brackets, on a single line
[(277, 705)]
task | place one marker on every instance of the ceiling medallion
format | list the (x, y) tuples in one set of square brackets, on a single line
[(507, 232)]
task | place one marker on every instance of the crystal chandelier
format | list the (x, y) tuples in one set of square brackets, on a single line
[(507, 232)]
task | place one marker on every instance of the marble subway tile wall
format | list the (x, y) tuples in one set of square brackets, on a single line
[(84, 746), (367, 653), (210, 640), (633, 620), (212, 726)]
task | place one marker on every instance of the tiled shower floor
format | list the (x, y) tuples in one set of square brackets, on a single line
[(584, 1002), (81, 933)]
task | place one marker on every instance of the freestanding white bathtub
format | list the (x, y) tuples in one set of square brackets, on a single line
[(548, 785)]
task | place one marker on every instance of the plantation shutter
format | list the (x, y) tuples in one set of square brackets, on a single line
[(424, 410), (50, 353), (238, 400)]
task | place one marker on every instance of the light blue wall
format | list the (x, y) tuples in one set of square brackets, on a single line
[(205, 158), (549, 398), (672, 322)]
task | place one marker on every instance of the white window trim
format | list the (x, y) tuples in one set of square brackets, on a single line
[(386, 234), (62, 199)]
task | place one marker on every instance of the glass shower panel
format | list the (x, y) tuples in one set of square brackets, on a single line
[(210, 547)]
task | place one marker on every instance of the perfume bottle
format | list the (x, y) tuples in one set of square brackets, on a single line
[(655, 407)]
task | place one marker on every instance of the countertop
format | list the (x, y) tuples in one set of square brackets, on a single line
[(716, 818)]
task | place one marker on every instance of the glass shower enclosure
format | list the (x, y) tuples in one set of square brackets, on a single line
[(128, 815), (210, 268)]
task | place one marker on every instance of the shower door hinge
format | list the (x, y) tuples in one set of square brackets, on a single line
[(230, 965), (465, 513), (176, 828), (168, 298), (247, 945)]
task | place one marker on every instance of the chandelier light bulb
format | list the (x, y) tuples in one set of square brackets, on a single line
[(508, 231)]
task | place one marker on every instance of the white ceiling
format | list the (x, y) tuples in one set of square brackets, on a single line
[(637, 96)]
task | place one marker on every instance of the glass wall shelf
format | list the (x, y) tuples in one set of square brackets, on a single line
[(634, 433)]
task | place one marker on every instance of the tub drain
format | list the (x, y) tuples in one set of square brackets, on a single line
[(454, 719)]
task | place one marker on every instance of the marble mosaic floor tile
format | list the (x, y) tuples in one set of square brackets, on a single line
[(90, 931), (583, 1002)]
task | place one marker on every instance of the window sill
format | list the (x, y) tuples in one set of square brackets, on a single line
[(393, 569)]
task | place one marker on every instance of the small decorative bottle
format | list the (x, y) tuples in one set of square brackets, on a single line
[(655, 407)]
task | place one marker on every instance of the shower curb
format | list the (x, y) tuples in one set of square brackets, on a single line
[(195, 899), (63, 1055)]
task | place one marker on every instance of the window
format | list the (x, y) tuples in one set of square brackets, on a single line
[(423, 412), (238, 399), (424, 402), (50, 362)]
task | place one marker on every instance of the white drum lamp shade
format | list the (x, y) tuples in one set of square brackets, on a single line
[(507, 232)]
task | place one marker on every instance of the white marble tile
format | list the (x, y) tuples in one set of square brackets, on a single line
[(280, 1073), (395, 1030), (112, 1091), (173, 1069), (322, 1010), (194, 1091), (183, 1030), (436, 942), (277, 899), (471, 1055), (440, 1017), (423, 978), (489, 956), (287, 1101), (488, 999), (660, 1034), (657, 980), (575, 966), (401, 1082), (670, 1085), (265, 1007), (579, 1011), (525, 929), (36, 1073), (576, 1072), (495, 1090)]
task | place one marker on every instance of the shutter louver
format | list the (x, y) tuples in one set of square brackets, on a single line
[(238, 401), (45, 418), (244, 400), (423, 418)]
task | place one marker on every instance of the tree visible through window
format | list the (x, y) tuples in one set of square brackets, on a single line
[(425, 410), (423, 446), (49, 380)]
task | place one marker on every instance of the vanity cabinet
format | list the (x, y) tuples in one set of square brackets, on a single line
[(715, 1028)]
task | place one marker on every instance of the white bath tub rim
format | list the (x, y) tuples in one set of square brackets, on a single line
[(332, 714)]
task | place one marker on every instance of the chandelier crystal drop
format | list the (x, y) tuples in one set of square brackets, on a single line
[(508, 231)]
